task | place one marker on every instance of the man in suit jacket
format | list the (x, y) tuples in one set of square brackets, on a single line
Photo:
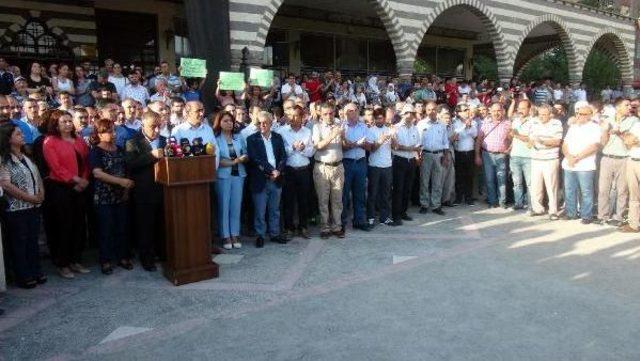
[(267, 158), (142, 152)]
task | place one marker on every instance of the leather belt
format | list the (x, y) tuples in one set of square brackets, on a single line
[(353, 160), (613, 156), (298, 168), (635, 159), (433, 151)]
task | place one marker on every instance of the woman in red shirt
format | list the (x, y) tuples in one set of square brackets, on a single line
[(65, 215)]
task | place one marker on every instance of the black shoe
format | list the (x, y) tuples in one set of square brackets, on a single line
[(447, 204), (302, 232), (585, 221), (534, 214), (438, 211), (395, 223), (149, 267), (259, 242), (27, 285), (518, 208), (340, 233), (598, 221), (325, 234), (363, 227), (41, 279), (126, 264), (424, 210), (106, 269), (565, 217), (504, 206), (490, 205), (405, 217), (471, 203), (614, 222), (279, 239)]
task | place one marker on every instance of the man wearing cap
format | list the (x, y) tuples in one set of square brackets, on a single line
[(612, 165), (100, 83), (354, 146), (405, 143), (435, 148)]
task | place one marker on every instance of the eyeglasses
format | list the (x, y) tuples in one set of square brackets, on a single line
[(584, 113)]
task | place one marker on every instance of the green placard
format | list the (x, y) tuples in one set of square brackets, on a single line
[(261, 77), (231, 81), (193, 68)]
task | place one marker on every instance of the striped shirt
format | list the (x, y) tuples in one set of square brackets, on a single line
[(495, 136)]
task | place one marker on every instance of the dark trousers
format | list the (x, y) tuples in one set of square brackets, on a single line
[(148, 220), (403, 172), (65, 223), (465, 166), (297, 187), (380, 180), (23, 229), (112, 228)]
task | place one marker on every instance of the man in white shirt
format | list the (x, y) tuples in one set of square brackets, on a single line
[(290, 88), (520, 154), (194, 126), (405, 142), (162, 92), (465, 133), (580, 146), (545, 137), (379, 171), (435, 146), (135, 90), (297, 176), (130, 111), (632, 141), (580, 93)]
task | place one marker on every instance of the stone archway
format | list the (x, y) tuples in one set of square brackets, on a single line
[(610, 43)]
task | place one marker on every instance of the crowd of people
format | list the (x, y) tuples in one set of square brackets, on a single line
[(77, 153)]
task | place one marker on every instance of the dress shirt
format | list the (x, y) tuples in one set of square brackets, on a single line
[(495, 140), (333, 151), (136, 92), (136, 124), (433, 135), (186, 130), (286, 89), (356, 133), (297, 158), (615, 146), (268, 147), (407, 137), (578, 138), (518, 147), (545, 131), (466, 136), (634, 152), (381, 157)]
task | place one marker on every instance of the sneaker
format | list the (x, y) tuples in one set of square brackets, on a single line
[(554, 217), (227, 246), (387, 221), (395, 223), (65, 272), (78, 268), (371, 222), (237, 245)]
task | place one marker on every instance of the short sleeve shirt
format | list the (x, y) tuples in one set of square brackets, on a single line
[(112, 163), (578, 138), (545, 131)]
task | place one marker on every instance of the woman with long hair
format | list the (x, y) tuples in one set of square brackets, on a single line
[(24, 191), (231, 174), (110, 196), (37, 80), (67, 177)]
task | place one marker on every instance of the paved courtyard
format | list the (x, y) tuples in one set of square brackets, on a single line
[(477, 284)]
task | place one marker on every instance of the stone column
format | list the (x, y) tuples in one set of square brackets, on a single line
[(404, 67)]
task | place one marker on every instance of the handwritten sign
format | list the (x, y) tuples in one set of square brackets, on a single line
[(231, 81), (193, 68), (261, 77)]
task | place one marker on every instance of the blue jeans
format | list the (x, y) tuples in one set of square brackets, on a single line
[(584, 181), (229, 192), (112, 225), (521, 175), (267, 199), (495, 173), (355, 178), (23, 229)]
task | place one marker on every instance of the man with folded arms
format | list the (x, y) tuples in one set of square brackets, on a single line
[(435, 149), (328, 172), (545, 138), (632, 141), (380, 171), (613, 164), (465, 133)]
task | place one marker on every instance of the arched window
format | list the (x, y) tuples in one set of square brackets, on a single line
[(35, 39)]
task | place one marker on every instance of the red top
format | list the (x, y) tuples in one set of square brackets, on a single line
[(452, 94), (62, 158), (313, 87)]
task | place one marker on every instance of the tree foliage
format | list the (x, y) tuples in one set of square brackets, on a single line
[(600, 71), (485, 67), (550, 64)]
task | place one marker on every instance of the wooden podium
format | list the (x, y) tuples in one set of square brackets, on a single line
[(186, 183)]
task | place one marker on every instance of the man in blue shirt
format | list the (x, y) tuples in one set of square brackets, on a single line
[(13, 112)]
